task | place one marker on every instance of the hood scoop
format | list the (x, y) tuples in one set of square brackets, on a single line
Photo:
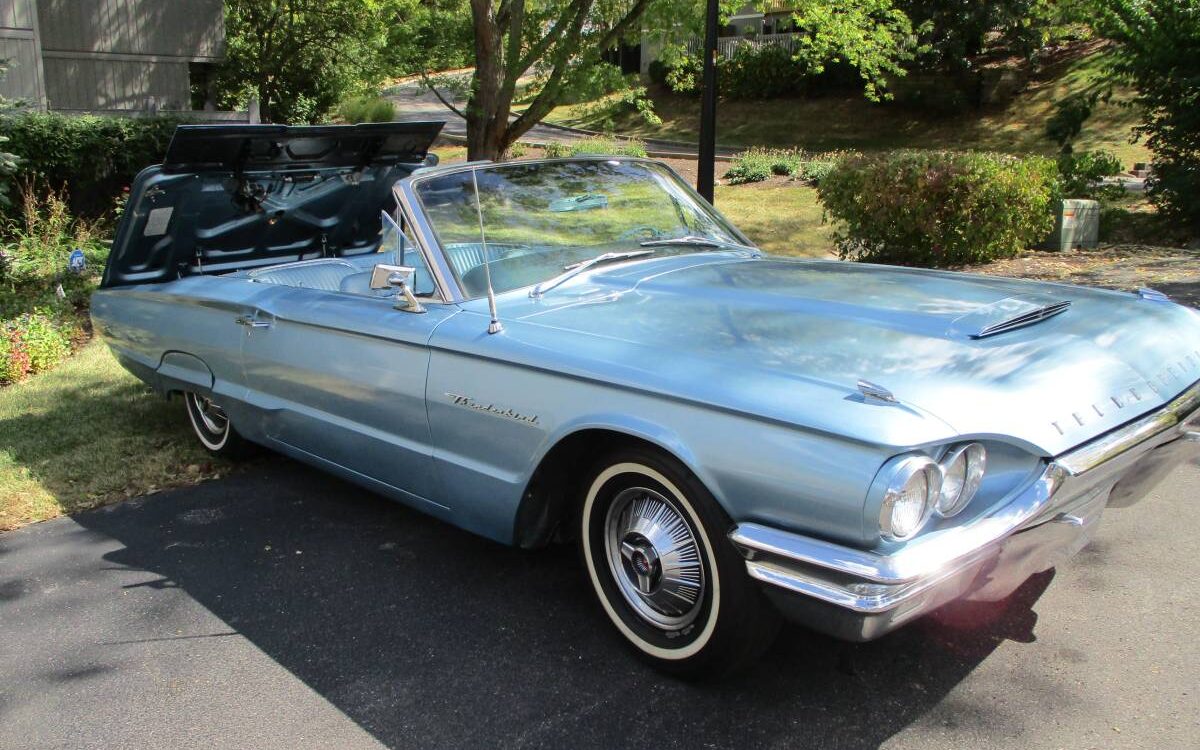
[(1008, 315)]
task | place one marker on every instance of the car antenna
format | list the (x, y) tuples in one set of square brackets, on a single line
[(494, 326)]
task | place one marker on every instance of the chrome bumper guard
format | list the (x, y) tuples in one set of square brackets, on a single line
[(859, 595)]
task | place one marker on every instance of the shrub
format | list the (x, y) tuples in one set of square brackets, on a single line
[(556, 150), (517, 150), (34, 342), (96, 156), (930, 208), (367, 109), (758, 164), (608, 146), (42, 240), (815, 170), (1081, 175), (760, 71)]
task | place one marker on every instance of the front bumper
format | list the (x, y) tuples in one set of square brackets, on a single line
[(859, 595)]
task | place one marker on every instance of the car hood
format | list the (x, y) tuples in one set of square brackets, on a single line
[(791, 339)]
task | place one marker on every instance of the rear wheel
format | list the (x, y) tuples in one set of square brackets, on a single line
[(213, 429), (654, 543)]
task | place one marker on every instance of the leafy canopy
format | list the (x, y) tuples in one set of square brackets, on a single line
[(300, 57), (1159, 54)]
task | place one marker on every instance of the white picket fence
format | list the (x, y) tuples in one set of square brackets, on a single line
[(727, 44)]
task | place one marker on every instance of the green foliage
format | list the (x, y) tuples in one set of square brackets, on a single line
[(96, 156), (606, 146), (34, 342), (427, 35), (42, 337), (1081, 175), (517, 150), (936, 208), (760, 71), (8, 161), (953, 32), (872, 36), (1159, 54), (37, 320), (367, 109), (815, 169), (561, 45), (302, 57), (758, 164), (556, 150), (39, 245), (606, 95)]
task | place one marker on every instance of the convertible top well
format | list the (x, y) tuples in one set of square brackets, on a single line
[(235, 197)]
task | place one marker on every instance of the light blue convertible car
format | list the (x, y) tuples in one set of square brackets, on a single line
[(583, 349)]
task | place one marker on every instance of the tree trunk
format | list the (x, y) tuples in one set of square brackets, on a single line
[(487, 107)]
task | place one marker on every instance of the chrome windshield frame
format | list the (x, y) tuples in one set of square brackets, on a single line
[(443, 274)]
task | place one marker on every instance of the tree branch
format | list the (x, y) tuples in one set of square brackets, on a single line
[(429, 85)]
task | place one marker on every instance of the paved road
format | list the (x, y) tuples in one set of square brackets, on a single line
[(417, 104), (282, 608)]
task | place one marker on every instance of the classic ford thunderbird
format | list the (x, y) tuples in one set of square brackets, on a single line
[(583, 349)]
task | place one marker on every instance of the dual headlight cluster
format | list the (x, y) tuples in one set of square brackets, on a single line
[(917, 487)]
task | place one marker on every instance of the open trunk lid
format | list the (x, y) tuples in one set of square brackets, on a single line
[(229, 197)]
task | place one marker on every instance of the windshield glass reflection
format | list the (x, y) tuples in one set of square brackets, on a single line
[(539, 218)]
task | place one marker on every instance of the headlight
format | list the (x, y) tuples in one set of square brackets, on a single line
[(962, 472), (911, 492)]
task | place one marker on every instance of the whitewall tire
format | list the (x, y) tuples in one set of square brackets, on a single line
[(212, 427), (653, 542)]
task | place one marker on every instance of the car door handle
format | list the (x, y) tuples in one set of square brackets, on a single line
[(245, 320)]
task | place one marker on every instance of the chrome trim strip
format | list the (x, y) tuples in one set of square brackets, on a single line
[(423, 233), (1113, 444)]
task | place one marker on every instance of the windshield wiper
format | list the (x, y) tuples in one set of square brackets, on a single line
[(577, 268), (695, 241)]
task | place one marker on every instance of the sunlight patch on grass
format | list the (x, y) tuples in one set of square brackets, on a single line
[(88, 433), (781, 219)]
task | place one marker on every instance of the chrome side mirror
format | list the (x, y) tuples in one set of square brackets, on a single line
[(385, 276)]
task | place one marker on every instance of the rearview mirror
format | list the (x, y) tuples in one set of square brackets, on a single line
[(384, 276), (381, 275)]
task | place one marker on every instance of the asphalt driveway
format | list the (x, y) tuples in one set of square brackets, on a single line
[(282, 608)]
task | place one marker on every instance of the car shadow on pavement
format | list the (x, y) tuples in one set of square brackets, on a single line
[(428, 636)]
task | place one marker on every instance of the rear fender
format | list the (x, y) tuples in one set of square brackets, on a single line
[(180, 371)]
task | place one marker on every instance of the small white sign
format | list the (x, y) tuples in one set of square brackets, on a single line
[(156, 223)]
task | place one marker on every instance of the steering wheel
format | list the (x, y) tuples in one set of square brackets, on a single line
[(644, 230)]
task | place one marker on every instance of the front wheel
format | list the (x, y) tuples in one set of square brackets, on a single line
[(213, 429), (653, 542)]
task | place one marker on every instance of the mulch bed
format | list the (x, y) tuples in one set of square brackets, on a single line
[(1173, 271)]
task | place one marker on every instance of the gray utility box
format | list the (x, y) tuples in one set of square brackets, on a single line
[(1076, 225)]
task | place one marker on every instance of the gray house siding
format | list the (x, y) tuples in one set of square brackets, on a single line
[(19, 47), (109, 55)]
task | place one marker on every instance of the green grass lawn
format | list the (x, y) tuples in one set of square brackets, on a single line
[(88, 433), (781, 219), (851, 122)]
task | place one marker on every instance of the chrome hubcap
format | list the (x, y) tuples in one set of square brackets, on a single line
[(211, 415), (654, 558)]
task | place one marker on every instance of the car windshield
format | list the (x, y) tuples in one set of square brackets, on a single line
[(539, 218)]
